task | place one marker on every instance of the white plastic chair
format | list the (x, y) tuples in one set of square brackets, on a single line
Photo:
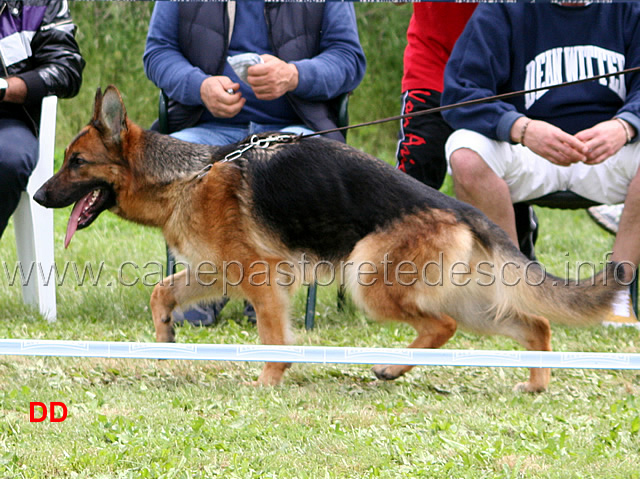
[(34, 224)]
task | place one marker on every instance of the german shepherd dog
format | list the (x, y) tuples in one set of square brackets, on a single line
[(406, 252)]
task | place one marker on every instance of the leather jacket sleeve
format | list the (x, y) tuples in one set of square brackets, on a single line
[(55, 67)]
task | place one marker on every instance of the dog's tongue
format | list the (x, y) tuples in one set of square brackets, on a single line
[(72, 225)]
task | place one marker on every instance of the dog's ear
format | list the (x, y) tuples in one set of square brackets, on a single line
[(97, 106), (110, 115)]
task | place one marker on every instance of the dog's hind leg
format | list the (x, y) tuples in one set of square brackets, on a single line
[(433, 332), (534, 333)]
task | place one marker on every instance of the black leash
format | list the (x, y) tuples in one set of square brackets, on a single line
[(501, 96)]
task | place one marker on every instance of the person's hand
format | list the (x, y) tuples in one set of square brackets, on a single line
[(603, 140), (273, 78), (549, 141), (215, 95)]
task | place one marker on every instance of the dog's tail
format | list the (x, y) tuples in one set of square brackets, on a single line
[(578, 302)]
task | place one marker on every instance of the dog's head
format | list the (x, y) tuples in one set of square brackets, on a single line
[(94, 166)]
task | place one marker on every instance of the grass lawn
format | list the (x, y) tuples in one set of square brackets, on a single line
[(196, 419), (139, 418)]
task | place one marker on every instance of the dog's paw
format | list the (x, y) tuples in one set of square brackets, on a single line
[(388, 372), (265, 382), (528, 387), (272, 373)]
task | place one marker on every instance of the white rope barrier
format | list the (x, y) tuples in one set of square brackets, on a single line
[(319, 354)]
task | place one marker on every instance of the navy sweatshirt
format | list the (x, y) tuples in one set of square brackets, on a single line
[(506, 48)]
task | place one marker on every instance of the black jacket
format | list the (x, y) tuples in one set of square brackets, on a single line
[(53, 66)]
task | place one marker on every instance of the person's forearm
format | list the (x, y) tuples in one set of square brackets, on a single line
[(164, 63), (340, 64)]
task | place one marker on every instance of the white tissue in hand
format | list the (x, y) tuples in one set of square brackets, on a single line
[(241, 62)]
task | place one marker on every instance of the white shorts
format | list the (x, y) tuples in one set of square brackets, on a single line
[(530, 176)]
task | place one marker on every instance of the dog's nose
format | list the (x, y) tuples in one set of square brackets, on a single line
[(41, 196)]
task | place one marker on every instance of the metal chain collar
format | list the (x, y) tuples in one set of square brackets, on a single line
[(254, 142)]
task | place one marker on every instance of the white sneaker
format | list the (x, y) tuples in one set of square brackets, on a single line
[(622, 313), (607, 216)]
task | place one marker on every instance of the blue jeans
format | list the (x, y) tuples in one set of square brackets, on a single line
[(218, 134), (18, 158)]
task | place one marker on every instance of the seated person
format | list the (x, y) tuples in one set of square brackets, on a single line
[(581, 138), (420, 150), (311, 54), (39, 56)]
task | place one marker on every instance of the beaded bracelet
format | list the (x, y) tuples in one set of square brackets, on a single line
[(523, 131)]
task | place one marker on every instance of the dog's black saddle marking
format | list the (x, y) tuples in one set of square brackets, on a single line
[(321, 196)]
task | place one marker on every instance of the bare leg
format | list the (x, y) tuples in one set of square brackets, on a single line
[(475, 183), (627, 247)]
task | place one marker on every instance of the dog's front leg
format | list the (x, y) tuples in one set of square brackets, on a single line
[(180, 289), (162, 303), (271, 305)]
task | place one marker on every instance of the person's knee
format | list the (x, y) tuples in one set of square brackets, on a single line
[(14, 175), (18, 156), (467, 167)]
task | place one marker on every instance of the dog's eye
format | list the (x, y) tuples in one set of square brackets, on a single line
[(77, 160)]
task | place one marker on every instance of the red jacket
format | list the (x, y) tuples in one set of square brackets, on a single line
[(433, 30)]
